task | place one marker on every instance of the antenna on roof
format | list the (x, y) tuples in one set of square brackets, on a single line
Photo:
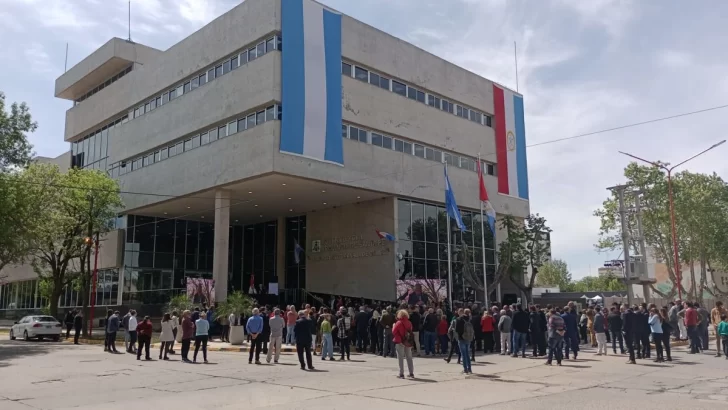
[(65, 64), (129, 39), (515, 57)]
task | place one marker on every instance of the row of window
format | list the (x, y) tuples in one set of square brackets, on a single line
[(416, 149), (107, 291), (219, 69), (223, 67), (21, 295), (105, 84), (399, 87), (93, 147), (248, 121)]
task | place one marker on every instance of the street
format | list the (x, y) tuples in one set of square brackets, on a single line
[(46, 375)]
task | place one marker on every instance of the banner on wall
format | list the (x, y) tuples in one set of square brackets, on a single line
[(201, 290)]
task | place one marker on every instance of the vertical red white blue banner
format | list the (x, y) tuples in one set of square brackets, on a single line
[(510, 143)]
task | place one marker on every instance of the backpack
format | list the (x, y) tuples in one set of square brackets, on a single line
[(409, 338), (468, 332)]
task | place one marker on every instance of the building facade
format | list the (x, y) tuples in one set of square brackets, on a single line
[(268, 149)]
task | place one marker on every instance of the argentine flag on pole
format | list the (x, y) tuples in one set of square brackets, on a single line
[(311, 81), (450, 205)]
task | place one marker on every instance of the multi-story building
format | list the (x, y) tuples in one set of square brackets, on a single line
[(269, 148)]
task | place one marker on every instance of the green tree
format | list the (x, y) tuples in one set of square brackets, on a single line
[(607, 283), (554, 273), (15, 150), (74, 204)]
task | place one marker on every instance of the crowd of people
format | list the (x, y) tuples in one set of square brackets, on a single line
[(555, 333)]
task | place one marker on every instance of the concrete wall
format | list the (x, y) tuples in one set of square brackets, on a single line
[(353, 261), (63, 161), (250, 21)]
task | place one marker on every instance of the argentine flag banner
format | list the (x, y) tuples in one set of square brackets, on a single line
[(311, 81)]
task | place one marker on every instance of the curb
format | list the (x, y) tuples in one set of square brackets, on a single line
[(236, 349)]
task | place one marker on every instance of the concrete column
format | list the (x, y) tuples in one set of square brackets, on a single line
[(646, 292), (222, 244), (281, 252)]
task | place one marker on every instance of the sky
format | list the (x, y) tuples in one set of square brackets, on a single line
[(583, 66)]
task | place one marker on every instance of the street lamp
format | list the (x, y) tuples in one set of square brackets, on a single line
[(678, 270)]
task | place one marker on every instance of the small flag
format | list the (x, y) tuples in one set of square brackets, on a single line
[(251, 289), (487, 207), (297, 249), (450, 205), (385, 235)]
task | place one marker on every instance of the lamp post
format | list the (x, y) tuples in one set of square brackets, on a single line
[(678, 270)]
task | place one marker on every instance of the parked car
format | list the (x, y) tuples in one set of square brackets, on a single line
[(37, 327)]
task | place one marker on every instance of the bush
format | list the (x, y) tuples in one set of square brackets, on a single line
[(237, 303), (180, 303)]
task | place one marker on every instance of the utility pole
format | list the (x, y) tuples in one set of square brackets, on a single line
[(619, 189), (641, 241)]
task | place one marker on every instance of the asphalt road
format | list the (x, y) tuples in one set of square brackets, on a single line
[(47, 375)]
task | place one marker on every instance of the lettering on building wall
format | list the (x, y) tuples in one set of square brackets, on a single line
[(347, 247)]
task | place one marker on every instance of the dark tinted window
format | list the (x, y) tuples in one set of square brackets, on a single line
[(399, 88)]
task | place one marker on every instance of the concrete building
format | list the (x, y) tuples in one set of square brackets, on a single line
[(260, 157)]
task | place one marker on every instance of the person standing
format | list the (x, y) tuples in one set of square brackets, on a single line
[(703, 323), (362, 329), (583, 321), (466, 335), (403, 339), (673, 317), (666, 332), (374, 341), (77, 326), (265, 334), (590, 325), (277, 324), (111, 328), (202, 335), (629, 323), (415, 320), (556, 334), (144, 333), (68, 320), (327, 340), (691, 324), (599, 331), (504, 327), (496, 333), (715, 319), (254, 327), (520, 329), (188, 330), (291, 318), (487, 326), (132, 330), (430, 327), (722, 333), (343, 326), (166, 338), (302, 329), (224, 329), (175, 325), (646, 331), (387, 322), (571, 337), (109, 313), (614, 321), (655, 322), (442, 337), (537, 333), (454, 341)]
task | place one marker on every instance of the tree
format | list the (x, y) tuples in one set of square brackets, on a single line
[(608, 283), (554, 273), (15, 150), (74, 203)]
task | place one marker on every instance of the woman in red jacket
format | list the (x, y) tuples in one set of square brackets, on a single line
[(144, 333), (442, 328), (487, 325), (403, 339)]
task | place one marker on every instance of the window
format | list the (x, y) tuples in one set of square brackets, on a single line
[(261, 49), (411, 93), (260, 117), (374, 79), (407, 148), (147, 107), (232, 128), (195, 141), (361, 74), (433, 101), (172, 95), (186, 88), (204, 138), (218, 71), (421, 96), (270, 45), (179, 148), (137, 113), (346, 69), (153, 104), (252, 54), (376, 139), (136, 164), (203, 79), (163, 153), (488, 121), (195, 83), (149, 160), (387, 142), (188, 144), (241, 124), (491, 169), (384, 83), (172, 150), (357, 134), (466, 113), (213, 134), (165, 98), (419, 151), (270, 113), (244, 57), (251, 120), (180, 91), (157, 156), (210, 74), (447, 106), (460, 111), (222, 132), (234, 62), (344, 131), (467, 163), (399, 88), (430, 154), (226, 67)]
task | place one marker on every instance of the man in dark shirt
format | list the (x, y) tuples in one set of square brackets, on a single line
[(430, 328), (646, 330), (302, 329), (362, 329), (629, 322), (520, 329), (614, 321), (416, 320), (537, 332)]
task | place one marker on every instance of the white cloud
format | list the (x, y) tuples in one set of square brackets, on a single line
[(38, 59), (674, 58)]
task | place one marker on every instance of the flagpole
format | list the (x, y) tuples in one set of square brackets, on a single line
[(449, 260), (482, 238)]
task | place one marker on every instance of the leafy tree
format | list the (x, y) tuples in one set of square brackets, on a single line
[(607, 283), (237, 303), (74, 203), (554, 273), (15, 150)]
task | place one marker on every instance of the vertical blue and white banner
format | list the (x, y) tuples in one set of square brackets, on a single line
[(311, 81)]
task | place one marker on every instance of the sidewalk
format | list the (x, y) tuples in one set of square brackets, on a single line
[(217, 346)]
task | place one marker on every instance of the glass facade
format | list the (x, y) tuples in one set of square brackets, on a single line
[(21, 295), (259, 256), (295, 233), (107, 291), (422, 233)]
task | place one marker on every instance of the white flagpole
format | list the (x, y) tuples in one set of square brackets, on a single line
[(482, 235), (449, 258)]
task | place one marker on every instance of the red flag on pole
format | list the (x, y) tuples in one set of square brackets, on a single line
[(483, 192)]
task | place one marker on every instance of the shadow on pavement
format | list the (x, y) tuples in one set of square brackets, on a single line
[(15, 349), (576, 366)]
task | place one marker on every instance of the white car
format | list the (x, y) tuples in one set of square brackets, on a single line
[(37, 327)]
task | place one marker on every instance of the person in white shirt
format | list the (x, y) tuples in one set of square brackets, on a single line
[(175, 323), (132, 332), (166, 338)]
